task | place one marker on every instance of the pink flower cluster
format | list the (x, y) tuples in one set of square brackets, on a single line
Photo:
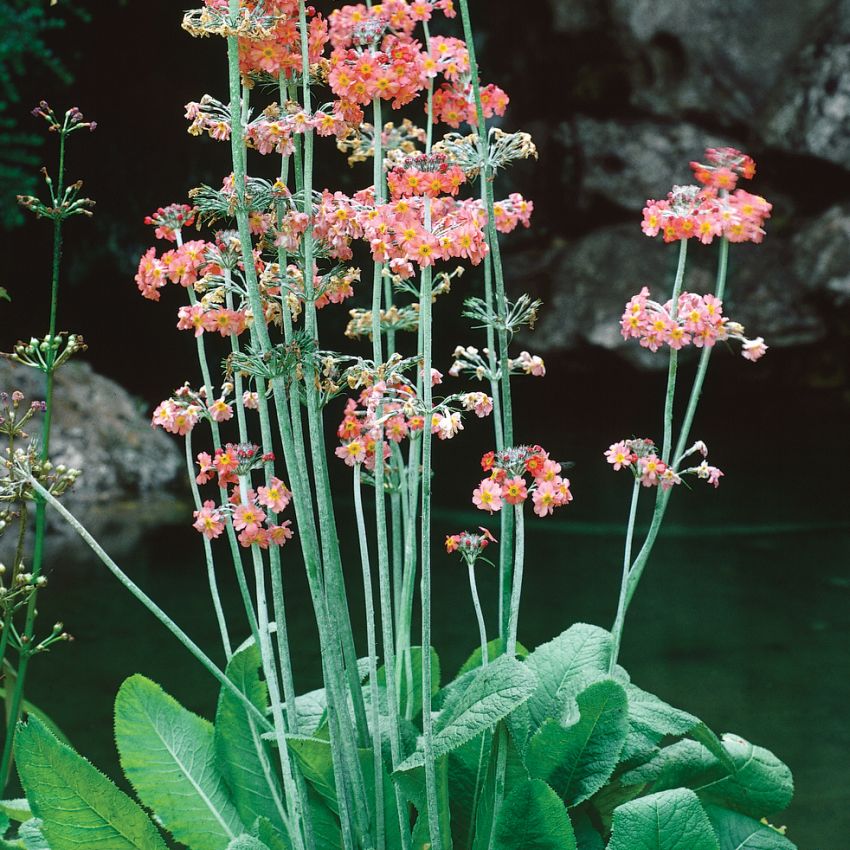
[(470, 545), (507, 483), (281, 50), (180, 413), (640, 456), (247, 515), (697, 320), (690, 212), (359, 430), (454, 104), (425, 176), (183, 265), (396, 231)]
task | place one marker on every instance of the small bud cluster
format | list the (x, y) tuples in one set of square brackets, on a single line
[(47, 354), (469, 545)]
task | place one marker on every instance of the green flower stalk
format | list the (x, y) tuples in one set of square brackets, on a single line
[(65, 201)]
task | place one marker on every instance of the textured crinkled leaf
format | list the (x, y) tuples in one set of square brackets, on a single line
[(739, 832), (243, 757), (578, 760), (31, 834), (671, 820), (760, 782), (495, 648), (612, 795), (247, 842), (564, 666), (168, 755), (78, 805), (18, 810), (492, 694), (655, 719), (532, 817), (310, 710)]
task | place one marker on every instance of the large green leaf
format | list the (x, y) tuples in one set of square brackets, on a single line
[(468, 767), (78, 805), (421, 838), (671, 820), (579, 759), (410, 704), (760, 783), (564, 666), (168, 755), (533, 817), (314, 760), (654, 719), (243, 757), (738, 832), (491, 694)]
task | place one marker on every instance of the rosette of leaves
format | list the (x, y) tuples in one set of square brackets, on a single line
[(591, 762)]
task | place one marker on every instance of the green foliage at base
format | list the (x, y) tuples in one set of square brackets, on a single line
[(587, 761)]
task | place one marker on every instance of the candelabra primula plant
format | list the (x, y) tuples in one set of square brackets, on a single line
[(550, 749)]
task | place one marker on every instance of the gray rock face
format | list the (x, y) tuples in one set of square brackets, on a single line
[(100, 429), (723, 57), (627, 163), (821, 255), (810, 113)]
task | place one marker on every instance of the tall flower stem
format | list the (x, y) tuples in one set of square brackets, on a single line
[(670, 395), (617, 630), (16, 704), (371, 648), (208, 556), (506, 553), (337, 706), (425, 582), (479, 614)]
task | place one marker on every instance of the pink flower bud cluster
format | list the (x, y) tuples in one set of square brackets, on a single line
[(698, 320), (507, 482), (640, 456), (690, 212), (168, 220), (470, 545)]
